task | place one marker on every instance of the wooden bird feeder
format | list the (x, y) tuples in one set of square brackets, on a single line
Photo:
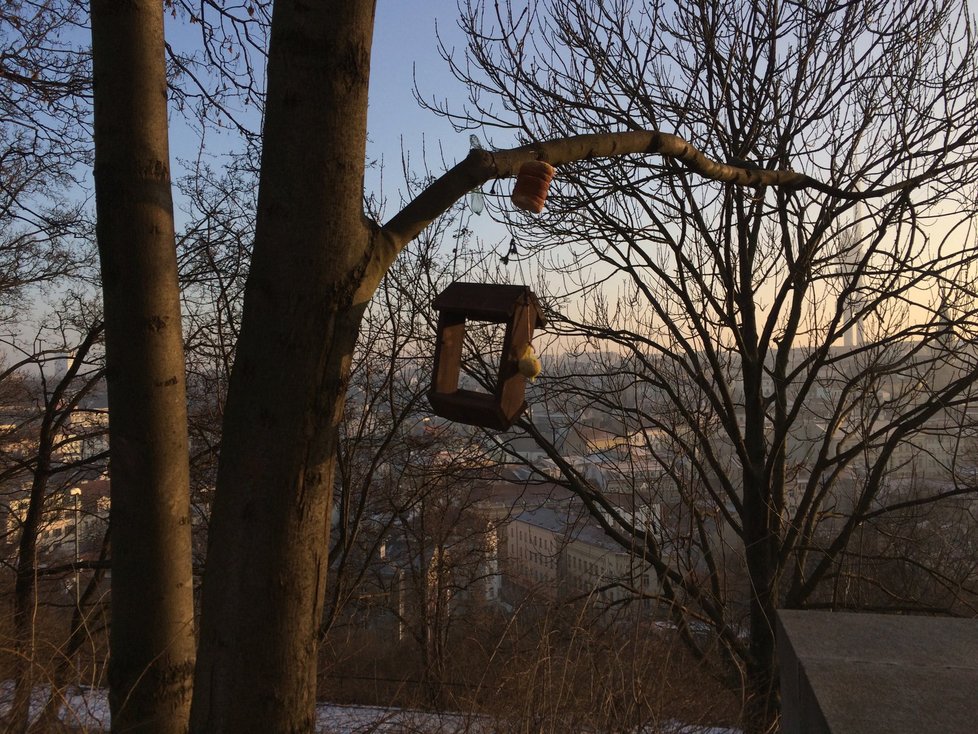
[(512, 305)]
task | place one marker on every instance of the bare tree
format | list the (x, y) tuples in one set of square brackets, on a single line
[(45, 240), (217, 77), (777, 348), (45, 454), (213, 259), (44, 88), (152, 633)]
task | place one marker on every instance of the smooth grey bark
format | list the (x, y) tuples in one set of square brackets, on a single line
[(152, 642)]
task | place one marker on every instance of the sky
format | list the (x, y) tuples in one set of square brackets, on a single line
[(405, 48), (405, 44)]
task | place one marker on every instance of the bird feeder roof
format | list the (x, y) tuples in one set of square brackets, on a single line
[(487, 301)]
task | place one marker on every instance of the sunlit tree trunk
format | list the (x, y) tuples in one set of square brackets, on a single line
[(152, 639), (308, 286)]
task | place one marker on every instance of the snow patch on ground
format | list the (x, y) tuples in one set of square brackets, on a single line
[(88, 710)]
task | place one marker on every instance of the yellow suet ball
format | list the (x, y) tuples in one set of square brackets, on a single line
[(529, 365)]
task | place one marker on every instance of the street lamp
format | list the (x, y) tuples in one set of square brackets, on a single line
[(76, 493)]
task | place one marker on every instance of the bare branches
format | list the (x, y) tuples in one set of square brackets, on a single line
[(481, 166), (795, 352), (219, 79)]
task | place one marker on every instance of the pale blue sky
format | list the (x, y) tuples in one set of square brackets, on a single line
[(406, 48), (405, 43)]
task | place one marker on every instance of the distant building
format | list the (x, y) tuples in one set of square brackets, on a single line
[(557, 555), (81, 511)]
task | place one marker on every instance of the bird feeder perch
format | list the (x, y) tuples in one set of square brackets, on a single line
[(512, 305), (532, 185)]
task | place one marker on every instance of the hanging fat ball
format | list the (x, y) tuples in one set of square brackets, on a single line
[(529, 365), (532, 185)]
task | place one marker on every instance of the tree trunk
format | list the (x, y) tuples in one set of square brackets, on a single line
[(759, 522), (151, 638), (25, 587), (311, 277), (316, 262), (760, 546), (763, 699)]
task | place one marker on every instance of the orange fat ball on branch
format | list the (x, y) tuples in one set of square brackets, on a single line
[(532, 184)]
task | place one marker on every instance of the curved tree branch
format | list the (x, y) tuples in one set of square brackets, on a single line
[(481, 166)]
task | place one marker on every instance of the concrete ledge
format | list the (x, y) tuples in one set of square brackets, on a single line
[(874, 673)]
